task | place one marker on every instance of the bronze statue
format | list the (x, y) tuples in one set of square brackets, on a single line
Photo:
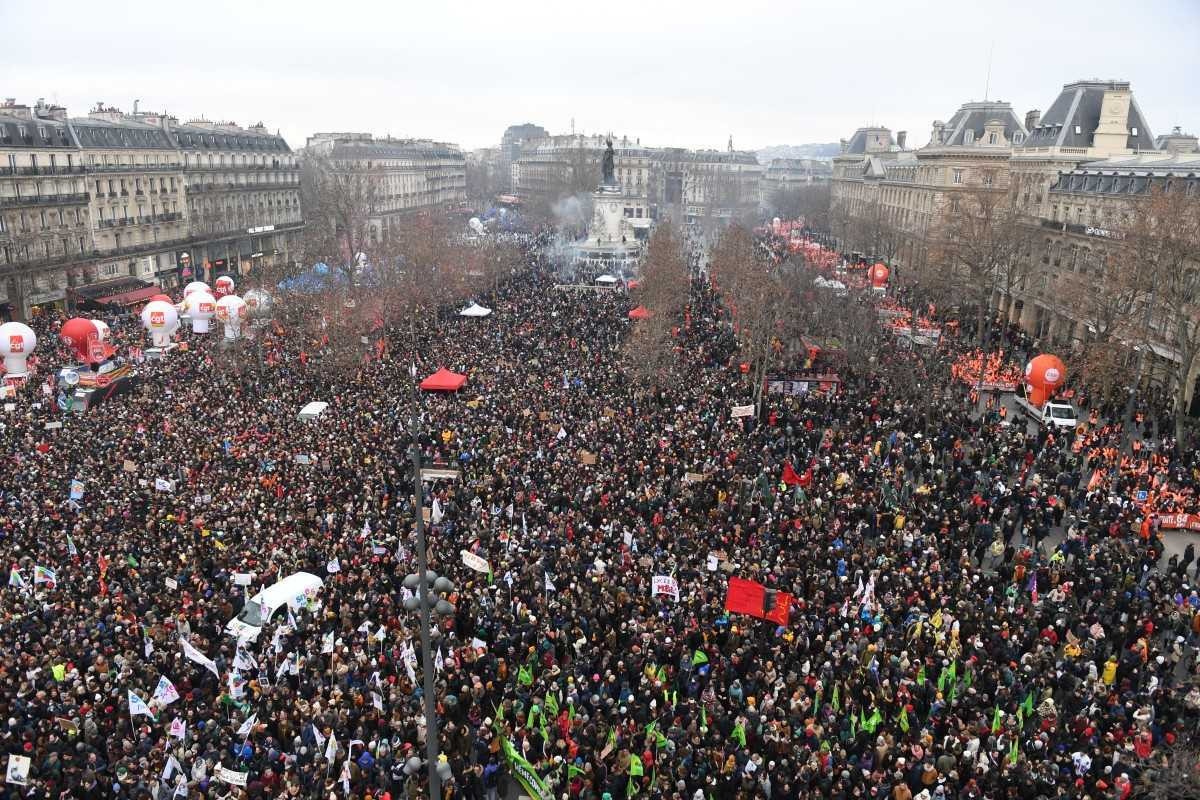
[(608, 164)]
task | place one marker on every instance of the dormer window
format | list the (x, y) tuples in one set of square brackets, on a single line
[(992, 138), (1133, 131), (1078, 130), (969, 137)]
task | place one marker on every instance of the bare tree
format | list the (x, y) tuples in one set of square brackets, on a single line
[(979, 248), (340, 201), (1174, 774), (663, 291), (1165, 230)]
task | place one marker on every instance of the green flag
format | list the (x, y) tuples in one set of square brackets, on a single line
[(968, 677), (59, 671), (131, 561), (525, 676), (837, 697), (703, 717), (699, 657), (921, 676), (739, 734), (1027, 704), (954, 671), (904, 723), (524, 772), (942, 676), (997, 719), (873, 721), (636, 769), (571, 710), (572, 771), (1014, 752), (551, 704)]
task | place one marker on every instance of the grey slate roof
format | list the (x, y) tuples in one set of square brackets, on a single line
[(101, 134), (974, 117), (56, 132), (199, 137), (863, 136), (1078, 104)]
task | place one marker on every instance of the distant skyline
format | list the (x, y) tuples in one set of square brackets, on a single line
[(672, 73)]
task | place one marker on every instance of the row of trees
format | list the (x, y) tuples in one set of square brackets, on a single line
[(1137, 290)]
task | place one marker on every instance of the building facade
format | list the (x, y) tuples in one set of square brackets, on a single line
[(100, 208), (787, 174), (414, 174), (891, 203)]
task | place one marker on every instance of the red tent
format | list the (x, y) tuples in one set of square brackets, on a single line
[(443, 381), (639, 313)]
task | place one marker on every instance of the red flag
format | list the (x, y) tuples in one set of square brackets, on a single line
[(792, 479), (749, 597)]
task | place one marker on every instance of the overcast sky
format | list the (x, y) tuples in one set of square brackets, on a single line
[(688, 74)]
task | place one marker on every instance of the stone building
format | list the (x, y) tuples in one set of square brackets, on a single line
[(787, 174), (97, 209), (45, 214), (891, 203), (243, 196), (705, 187), (415, 174)]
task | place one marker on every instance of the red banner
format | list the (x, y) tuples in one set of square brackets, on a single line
[(748, 597), (1180, 522)]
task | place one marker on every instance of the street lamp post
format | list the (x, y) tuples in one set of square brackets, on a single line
[(428, 587)]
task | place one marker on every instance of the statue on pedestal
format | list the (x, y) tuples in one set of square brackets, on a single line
[(607, 166)]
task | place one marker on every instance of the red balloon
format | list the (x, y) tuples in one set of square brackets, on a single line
[(77, 333), (879, 275), (1043, 375), (163, 297)]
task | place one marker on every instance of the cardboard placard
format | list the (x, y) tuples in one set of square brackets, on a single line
[(52, 426), (544, 416), (172, 584), (129, 466), (586, 457), (694, 477)]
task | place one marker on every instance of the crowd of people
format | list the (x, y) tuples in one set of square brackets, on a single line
[(973, 617)]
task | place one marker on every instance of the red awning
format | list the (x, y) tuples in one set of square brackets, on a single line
[(129, 298), (444, 381)]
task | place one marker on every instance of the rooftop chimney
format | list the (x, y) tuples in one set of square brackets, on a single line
[(1032, 118), (901, 137)]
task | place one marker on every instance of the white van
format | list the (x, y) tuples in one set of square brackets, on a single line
[(292, 590), (1057, 414)]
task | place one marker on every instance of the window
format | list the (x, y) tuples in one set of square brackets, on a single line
[(992, 138), (969, 137), (958, 176), (42, 131), (1133, 131), (988, 176)]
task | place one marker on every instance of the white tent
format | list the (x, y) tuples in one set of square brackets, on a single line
[(607, 280), (475, 310)]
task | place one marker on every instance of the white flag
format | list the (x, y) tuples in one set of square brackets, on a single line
[(320, 737), (178, 728), (163, 485), (333, 566), (248, 725), (562, 433), (148, 646), (195, 655), (138, 706), (381, 634), (377, 700), (18, 770), (243, 660), (170, 769), (331, 747), (327, 643), (438, 662), (165, 692), (549, 583), (435, 516)]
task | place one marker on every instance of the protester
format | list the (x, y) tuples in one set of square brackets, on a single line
[(972, 616)]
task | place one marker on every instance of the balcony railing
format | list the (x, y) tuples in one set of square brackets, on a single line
[(44, 200), (132, 167)]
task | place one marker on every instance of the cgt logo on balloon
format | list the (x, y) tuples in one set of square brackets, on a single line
[(16, 344), (158, 319)]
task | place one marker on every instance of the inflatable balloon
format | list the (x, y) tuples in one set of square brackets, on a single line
[(78, 334), (257, 301), (70, 377), (195, 286), (224, 286), (201, 308), (17, 342), (102, 331), (166, 298), (161, 320), (1043, 375), (231, 310), (879, 275)]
